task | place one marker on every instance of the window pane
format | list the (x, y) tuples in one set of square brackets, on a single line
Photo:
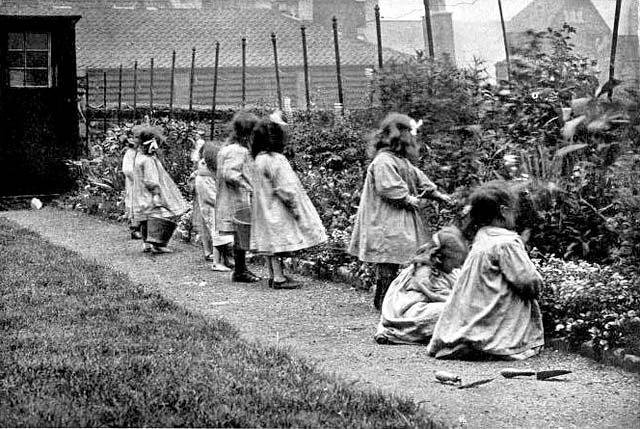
[(37, 78), (37, 59), (37, 41), (16, 41), (15, 58), (16, 78)]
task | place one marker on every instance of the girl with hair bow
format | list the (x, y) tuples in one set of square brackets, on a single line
[(155, 194), (388, 229)]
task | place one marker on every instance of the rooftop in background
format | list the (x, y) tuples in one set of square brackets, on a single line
[(108, 37)]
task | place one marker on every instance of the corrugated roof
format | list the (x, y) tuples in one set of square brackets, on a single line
[(108, 37)]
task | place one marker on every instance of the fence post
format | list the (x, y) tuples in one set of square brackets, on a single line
[(215, 90), (191, 77), (119, 92), (378, 36), (275, 60), (506, 43), (427, 17), (151, 84), (104, 101), (135, 90), (338, 74), (86, 103), (305, 61), (244, 72), (171, 84), (614, 46)]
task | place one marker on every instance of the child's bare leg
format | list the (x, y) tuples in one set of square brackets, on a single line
[(216, 258), (275, 264), (207, 247), (270, 266)]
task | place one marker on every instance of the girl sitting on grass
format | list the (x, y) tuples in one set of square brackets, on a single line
[(283, 218), (493, 308), (415, 299)]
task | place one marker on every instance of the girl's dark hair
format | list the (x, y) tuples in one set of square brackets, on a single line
[(241, 127), (394, 134), (148, 133), (486, 202), (267, 136), (448, 241)]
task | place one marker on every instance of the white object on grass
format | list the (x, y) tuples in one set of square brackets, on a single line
[(36, 204)]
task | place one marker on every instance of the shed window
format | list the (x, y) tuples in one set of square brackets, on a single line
[(29, 60)]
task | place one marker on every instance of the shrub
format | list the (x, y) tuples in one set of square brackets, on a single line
[(583, 301)]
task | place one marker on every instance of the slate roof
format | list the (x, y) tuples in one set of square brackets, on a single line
[(538, 15), (33, 8), (108, 37)]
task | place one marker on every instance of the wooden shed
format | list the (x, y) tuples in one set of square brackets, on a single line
[(38, 104)]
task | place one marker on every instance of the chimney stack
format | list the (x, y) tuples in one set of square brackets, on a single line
[(627, 67)]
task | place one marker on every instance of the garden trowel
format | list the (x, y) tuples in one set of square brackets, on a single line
[(540, 375)]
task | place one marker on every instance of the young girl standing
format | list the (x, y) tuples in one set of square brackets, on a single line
[(415, 299), (493, 308), (155, 194), (283, 217), (388, 229), (127, 170), (235, 169), (206, 191)]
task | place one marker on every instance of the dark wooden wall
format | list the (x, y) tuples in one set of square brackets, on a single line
[(39, 126)]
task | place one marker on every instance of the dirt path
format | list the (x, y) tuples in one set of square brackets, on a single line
[(333, 325)]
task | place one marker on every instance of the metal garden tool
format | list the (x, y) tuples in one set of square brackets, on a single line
[(445, 377), (540, 375)]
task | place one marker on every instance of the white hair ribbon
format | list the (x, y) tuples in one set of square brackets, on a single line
[(415, 126), (277, 118), (153, 144)]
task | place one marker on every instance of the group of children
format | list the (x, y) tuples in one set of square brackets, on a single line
[(247, 197), (460, 299)]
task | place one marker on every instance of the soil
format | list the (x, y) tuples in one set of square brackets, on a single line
[(332, 324)]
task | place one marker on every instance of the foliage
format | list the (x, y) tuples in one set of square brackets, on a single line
[(84, 346), (583, 301), (564, 138)]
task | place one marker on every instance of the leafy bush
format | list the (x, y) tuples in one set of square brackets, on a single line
[(583, 301)]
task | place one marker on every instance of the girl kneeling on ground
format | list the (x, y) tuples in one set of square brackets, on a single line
[(493, 309), (415, 299)]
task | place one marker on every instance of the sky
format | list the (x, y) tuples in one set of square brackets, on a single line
[(484, 39), (462, 10)]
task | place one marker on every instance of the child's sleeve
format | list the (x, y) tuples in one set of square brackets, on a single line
[(284, 182), (208, 194), (232, 170), (388, 182), (425, 184), (151, 175), (519, 271)]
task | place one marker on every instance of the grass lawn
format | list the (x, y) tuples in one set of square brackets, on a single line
[(84, 346)]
